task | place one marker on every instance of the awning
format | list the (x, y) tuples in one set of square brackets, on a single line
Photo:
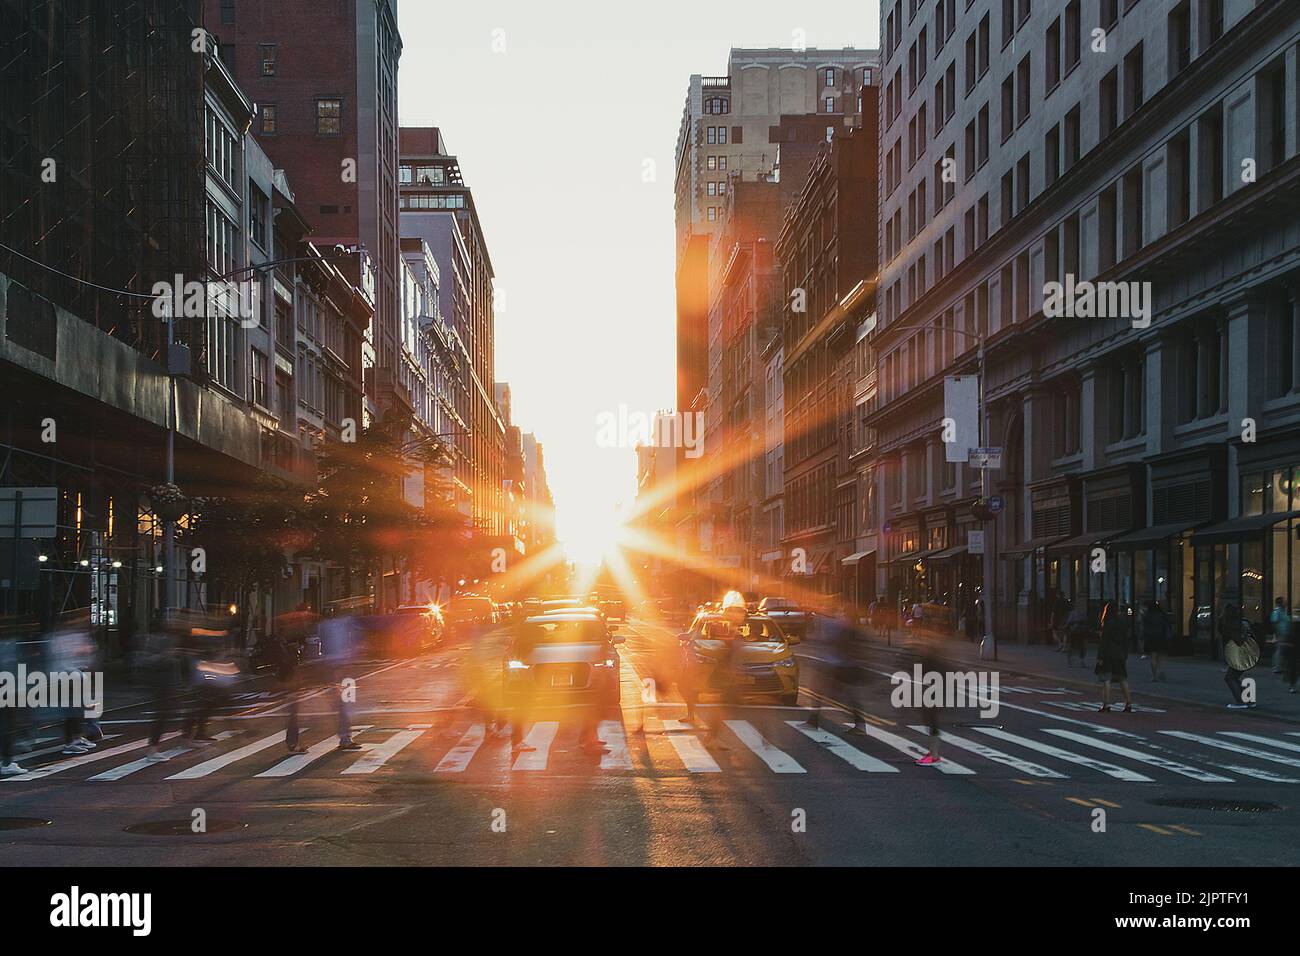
[(816, 562), (1149, 537), (771, 555), (1234, 529), (1030, 546), (910, 557), (857, 556), (947, 553), (1083, 542)]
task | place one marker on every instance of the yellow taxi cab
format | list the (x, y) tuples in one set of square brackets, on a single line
[(738, 654)]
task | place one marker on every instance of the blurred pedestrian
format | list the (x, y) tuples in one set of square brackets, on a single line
[(843, 650), (340, 637), (1280, 621), (1060, 614), (71, 651), (1077, 629), (1240, 653), (289, 675), (1112, 655), (9, 665), (932, 662)]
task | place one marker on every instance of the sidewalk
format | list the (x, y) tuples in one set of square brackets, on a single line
[(1190, 680)]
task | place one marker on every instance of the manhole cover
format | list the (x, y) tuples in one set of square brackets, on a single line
[(1210, 803), (23, 823), (183, 827)]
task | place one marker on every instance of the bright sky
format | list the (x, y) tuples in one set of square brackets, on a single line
[(553, 133)]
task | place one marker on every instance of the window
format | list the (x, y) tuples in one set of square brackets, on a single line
[(220, 148), (971, 66), (722, 163), (1106, 229), (1210, 187), (1008, 20), (1052, 57), (1008, 197), (1179, 189), (969, 150), (267, 111), (1133, 204), (982, 136), (1052, 155), (1008, 107), (1212, 21), (984, 45), (1070, 259), (713, 213), (227, 12), (1133, 81), (830, 76), (712, 162), (329, 117), (221, 241), (712, 189), (982, 219), (1022, 183), (1270, 94), (1108, 11), (1073, 36), (258, 377), (737, 134), (1022, 91), (1179, 38), (829, 104), (1108, 105), (1280, 318), (266, 56), (1072, 137), (259, 210)]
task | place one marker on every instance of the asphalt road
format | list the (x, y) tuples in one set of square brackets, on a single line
[(1048, 781)]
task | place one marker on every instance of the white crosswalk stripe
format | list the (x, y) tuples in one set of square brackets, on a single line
[(1120, 773), (690, 750), (379, 755), (80, 761), (915, 751), (842, 749), (766, 743), (1154, 760), (226, 759), (540, 737), (1257, 739), (457, 759), (618, 757), (296, 762), (989, 753), (126, 769), (1233, 748), (778, 760)]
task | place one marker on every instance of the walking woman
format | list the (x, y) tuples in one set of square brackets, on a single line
[(1112, 656), (1077, 629)]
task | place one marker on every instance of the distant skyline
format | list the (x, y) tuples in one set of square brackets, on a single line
[(558, 122)]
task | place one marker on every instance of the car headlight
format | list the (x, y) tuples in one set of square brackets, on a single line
[(605, 664), (517, 665)]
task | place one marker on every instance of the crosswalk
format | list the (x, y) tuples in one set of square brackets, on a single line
[(459, 747)]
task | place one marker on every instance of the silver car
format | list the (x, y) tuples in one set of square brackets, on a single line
[(568, 657)]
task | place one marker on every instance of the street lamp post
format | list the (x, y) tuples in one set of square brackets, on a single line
[(988, 565)]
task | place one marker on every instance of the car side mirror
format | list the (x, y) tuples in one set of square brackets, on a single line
[(793, 639)]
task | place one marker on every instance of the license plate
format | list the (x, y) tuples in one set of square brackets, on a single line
[(561, 680)]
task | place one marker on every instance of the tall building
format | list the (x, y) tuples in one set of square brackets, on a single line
[(761, 121), (829, 262), (438, 207), (1116, 229), (325, 84)]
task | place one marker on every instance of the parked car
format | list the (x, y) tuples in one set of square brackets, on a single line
[(430, 615)]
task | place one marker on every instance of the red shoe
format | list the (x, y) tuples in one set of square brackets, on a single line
[(928, 760)]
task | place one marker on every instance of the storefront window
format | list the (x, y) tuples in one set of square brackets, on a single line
[(1281, 486), (1252, 494), (1141, 577)]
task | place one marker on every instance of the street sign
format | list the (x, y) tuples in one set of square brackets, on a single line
[(975, 542), (995, 503), (986, 458)]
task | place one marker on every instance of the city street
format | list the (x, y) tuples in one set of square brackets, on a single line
[(1180, 783)]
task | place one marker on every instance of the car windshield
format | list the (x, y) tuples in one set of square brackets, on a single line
[(751, 629), (779, 604), (560, 632)]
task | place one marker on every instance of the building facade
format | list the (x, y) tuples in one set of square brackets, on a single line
[(1139, 337)]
